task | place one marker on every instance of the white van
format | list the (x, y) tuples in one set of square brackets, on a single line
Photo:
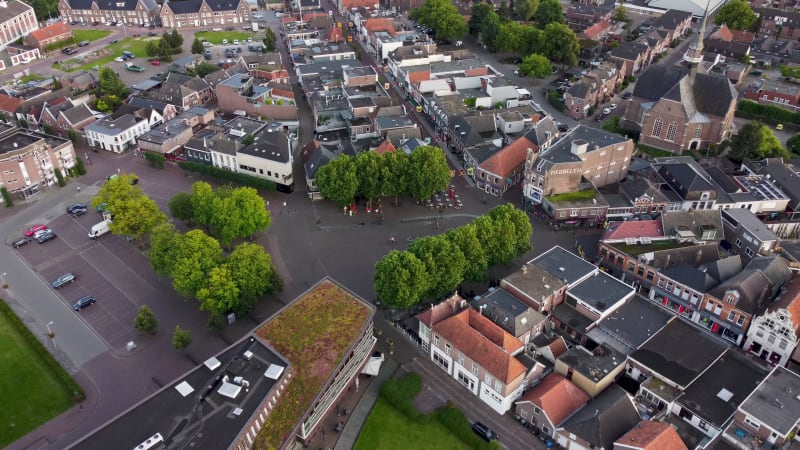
[(99, 229)]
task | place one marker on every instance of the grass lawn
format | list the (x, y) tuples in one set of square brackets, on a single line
[(216, 37), (587, 194), (90, 35), (131, 44), (387, 428), (31, 389), (31, 77), (654, 152)]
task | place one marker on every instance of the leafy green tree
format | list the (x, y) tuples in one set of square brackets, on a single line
[(47, 128), (503, 11), (59, 177), (510, 38), (195, 255), (368, 171), (79, 168), (394, 172), (466, 239), (254, 274), (151, 48), (9, 202), (197, 47), (537, 66), (220, 295), (156, 160), (239, 214), (145, 320), (428, 172), (338, 180), (204, 68), (164, 242), (478, 17), (269, 39), (248, 139), (110, 84), (525, 9), (181, 338), (73, 136), (498, 248), (561, 44), (444, 262), (165, 50), (180, 206), (443, 17), (790, 71), (756, 141), (401, 279), (621, 14), (522, 229), (203, 198), (549, 11), (134, 213), (737, 15), (793, 144)]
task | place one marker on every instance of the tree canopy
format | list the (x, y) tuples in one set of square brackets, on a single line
[(525, 9), (238, 213), (197, 47), (401, 279), (134, 214), (756, 141), (444, 262), (737, 15), (549, 11), (195, 254), (537, 66), (428, 172), (561, 44), (337, 180), (443, 17), (253, 273)]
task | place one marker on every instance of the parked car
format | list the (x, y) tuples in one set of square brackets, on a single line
[(66, 50), (83, 302), (224, 42), (152, 33), (45, 236), (484, 432), (235, 42), (32, 230), (562, 127), (257, 16), (606, 111), (207, 44), (77, 209), (83, 43), (230, 28), (627, 95), (155, 62), (216, 29), (113, 41), (64, 280), (21, 241), (119, 59), (613, 106)]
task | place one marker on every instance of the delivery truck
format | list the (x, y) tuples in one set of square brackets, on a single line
[(99, 229)]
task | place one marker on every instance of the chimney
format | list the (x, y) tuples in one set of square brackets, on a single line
[(3, 4), (579, 147)]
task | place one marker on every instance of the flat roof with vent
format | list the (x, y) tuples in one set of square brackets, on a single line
[(564, 265), (776, 401), (229, 385), (601, 292)]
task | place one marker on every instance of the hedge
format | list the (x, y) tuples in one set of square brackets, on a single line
[(227, 175), (767, 113), (37, 346), (400, 394)]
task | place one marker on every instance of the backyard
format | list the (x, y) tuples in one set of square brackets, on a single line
[(34, 388), (388, 428), (109, 52), (216, 37)]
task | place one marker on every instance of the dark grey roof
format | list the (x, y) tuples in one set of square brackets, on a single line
[(542, 131), (316, 158), (600, 291), (561, 151), (605, 418), (78, 114), (184, 6), (564, 265), (679, 352), (635, 187), (757, 284), (774, 402), (683, 179), (630, 325), (785, 178), (274, 146), (657, 80), (713, 94), (13, 9), (112, 5), (142, 102), (691, 276), (568, 315), (744, 219), (223, 5), (593, 364), (722, 388), (725, 268), (671, 19), (629, 50), (695, 221), (476, 129), (722, 179), (507, 311), (697, 255), (579, 89)]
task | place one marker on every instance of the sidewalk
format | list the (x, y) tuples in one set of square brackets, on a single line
[(347, 439)]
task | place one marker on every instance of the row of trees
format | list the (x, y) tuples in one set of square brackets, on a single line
[(551, 39), (371, 175), (225, 212), (443, 17), (435, 265), (171, 43), (134, 213), (198, 269), (146, 322)]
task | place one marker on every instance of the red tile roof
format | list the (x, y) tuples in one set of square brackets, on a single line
[(385, 147), (335, 35), (594, 31), (437, 313), (634, 229), (508, 158), (9, 104), (380, 24), (416, 77), (51, 31), (558, 347), (308, 17), (649, 435), (477, 71), (349, 4), (557, 397), (483, 342)]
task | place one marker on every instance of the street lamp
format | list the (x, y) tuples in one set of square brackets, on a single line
[(49, 331)]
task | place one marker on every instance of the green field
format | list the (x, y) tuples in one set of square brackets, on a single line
[(131, 44), (387, 428), (33, 387), (90, 35), (216, 37)]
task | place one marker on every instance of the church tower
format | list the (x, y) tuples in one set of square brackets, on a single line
[(694, 54)]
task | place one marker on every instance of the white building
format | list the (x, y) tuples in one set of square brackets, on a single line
[(117, 134), (269, 157), (17, 20), (773, 334)]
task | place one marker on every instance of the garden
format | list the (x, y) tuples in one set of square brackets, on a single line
[(34, 387), (106, 55)]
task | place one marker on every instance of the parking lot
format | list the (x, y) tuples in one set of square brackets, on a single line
[(105, 269)]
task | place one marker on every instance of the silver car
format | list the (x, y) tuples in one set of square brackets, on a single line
[(64, 280)]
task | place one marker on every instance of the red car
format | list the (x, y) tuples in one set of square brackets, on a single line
[(32, 230), (156, 62)]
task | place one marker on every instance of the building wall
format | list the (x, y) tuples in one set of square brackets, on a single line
[(138, 16), (687, 135), (754, 426), (224, 161), (119, 142), (528, 412), (24, 57), (768, 333), (173, 143), (17, 27), (280, 173), (590, 386), (206, 16), (35, 165), (229, 101)]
